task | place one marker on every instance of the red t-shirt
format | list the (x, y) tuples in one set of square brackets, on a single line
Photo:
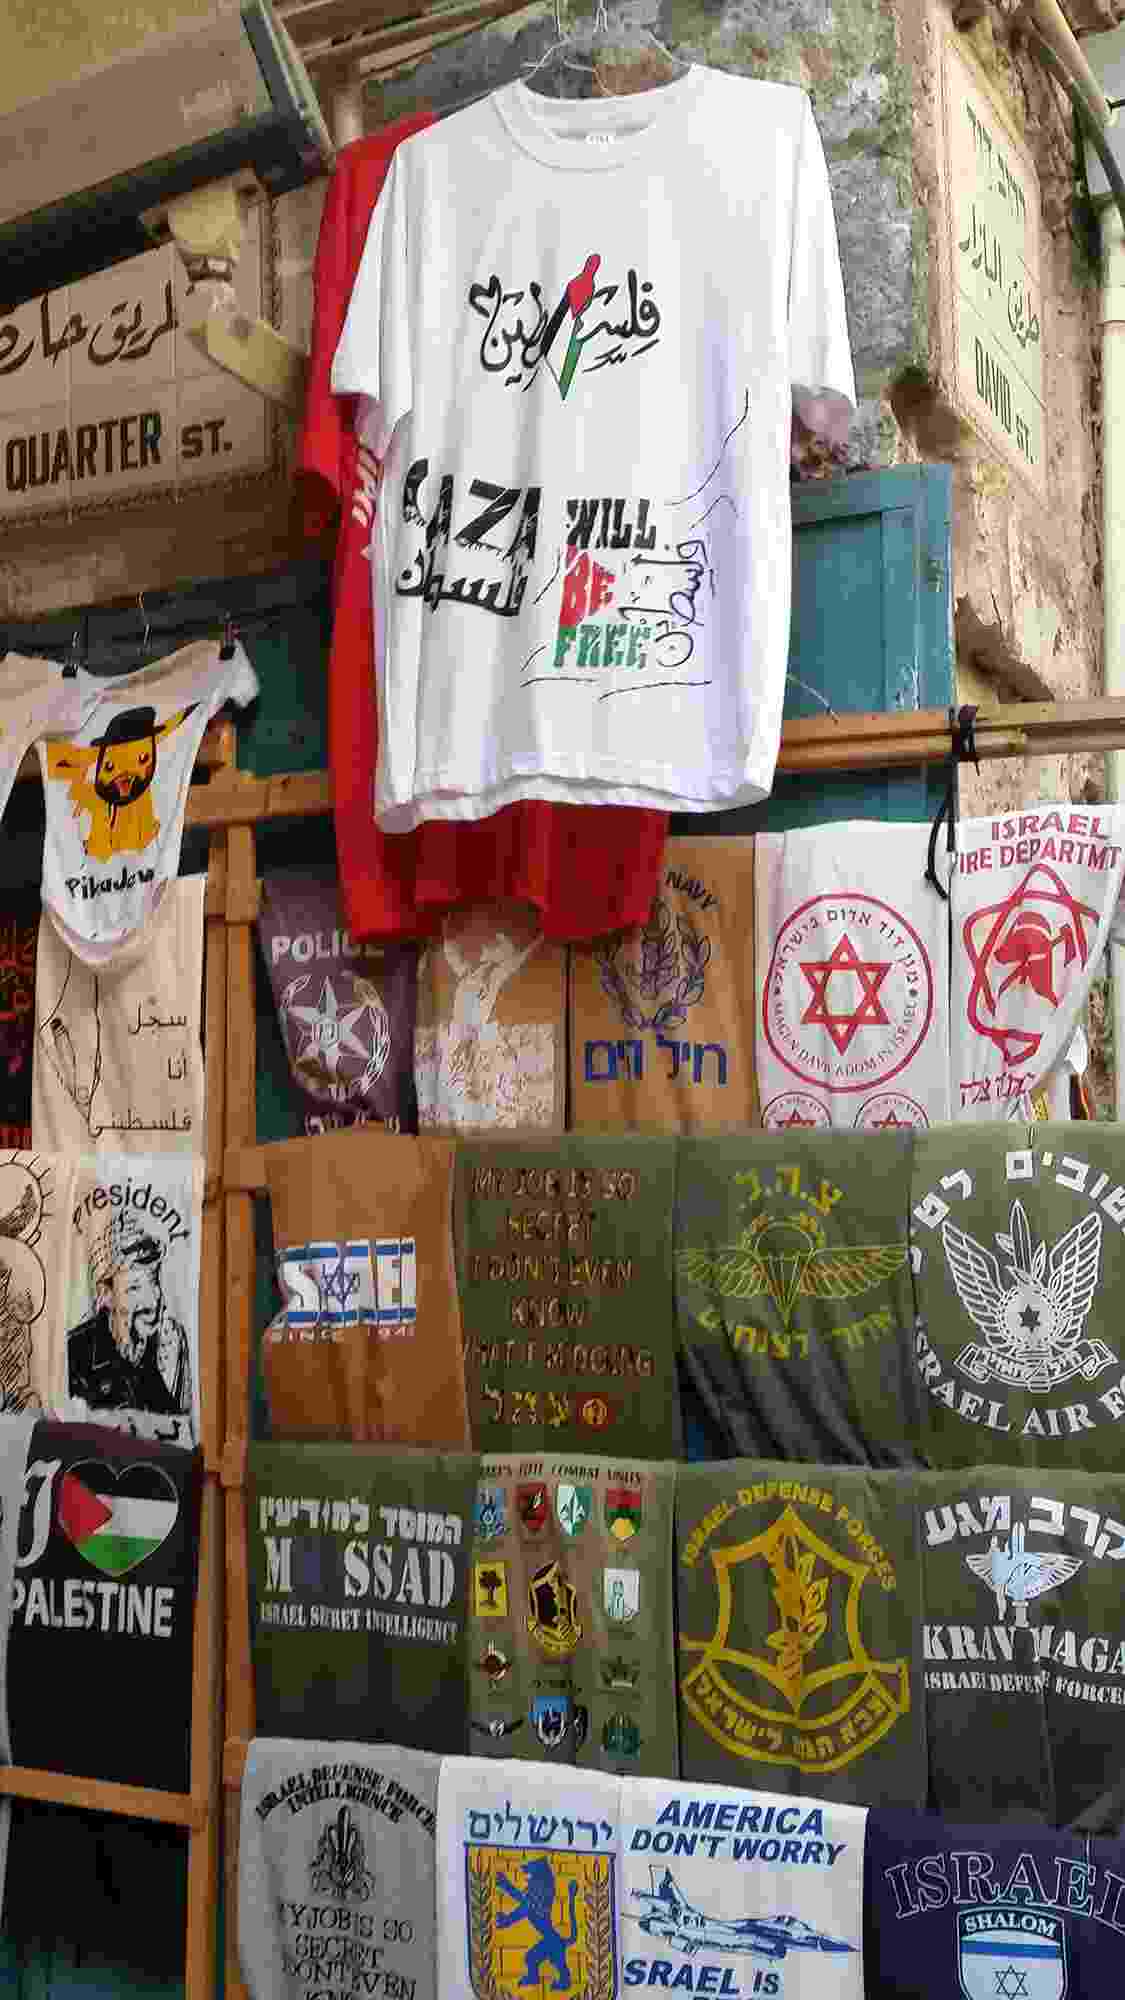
[(586, 869)]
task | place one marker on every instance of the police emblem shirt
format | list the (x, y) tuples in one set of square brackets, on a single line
[(103, 1605), (117, 793), (564, 1256), (1019, 1244), (568, 607), (571, 1649), (1023, 1653), (795, 1295), (528, 1881), (798, 1600), (345, 1009), (359, 1568), (728, 1892), (991, 1912), (336, 1870), (1033, 900)]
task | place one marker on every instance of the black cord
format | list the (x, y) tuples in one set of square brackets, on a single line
[(1044, 53)]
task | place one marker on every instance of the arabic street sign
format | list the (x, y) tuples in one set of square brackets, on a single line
[(992, 224), (104, 400)]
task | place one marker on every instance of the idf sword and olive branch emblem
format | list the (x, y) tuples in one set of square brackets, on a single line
[(542, 1922), (1032, 1315), (796, 1702), (1017, 1575), (785, 1255)]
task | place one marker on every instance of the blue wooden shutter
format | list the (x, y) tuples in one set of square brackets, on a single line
[(872, 630)]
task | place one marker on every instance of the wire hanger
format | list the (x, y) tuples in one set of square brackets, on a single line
[(74, 657), (617, 34), (148, 627)]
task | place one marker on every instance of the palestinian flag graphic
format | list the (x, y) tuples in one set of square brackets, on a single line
[(623, 1512), (116, 1516)]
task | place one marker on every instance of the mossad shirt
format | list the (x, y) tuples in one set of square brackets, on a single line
[(579, 326)]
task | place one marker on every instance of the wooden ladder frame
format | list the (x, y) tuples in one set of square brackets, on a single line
[(232, 805)]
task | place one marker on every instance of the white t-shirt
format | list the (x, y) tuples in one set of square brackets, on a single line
[(36, 699), (579, 326), (117, 793)]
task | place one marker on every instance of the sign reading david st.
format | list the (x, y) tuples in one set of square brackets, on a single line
[(992, 224), (104, 399)]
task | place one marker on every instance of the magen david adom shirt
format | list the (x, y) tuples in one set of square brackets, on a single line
[(579, 326)]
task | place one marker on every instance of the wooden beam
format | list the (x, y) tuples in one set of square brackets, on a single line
[(245, 801), (63, 1788)]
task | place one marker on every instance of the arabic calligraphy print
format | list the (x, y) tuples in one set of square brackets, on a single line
[(850, 1010), (996, 306), (799, 1601), (1023, 1660), (102, 394), (597, 323), (1019, 1251), (1034, 898), (118, 1064), (734, 1892)]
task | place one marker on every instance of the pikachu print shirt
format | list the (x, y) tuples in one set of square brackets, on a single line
[(117, 792)]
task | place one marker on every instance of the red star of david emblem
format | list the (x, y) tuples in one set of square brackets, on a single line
[(889, 1123), (868, 1012), (794, 1118)]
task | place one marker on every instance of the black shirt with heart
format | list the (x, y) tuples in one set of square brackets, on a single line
[(100, 1652)]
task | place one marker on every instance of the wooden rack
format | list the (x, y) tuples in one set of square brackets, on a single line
[(232, 805)]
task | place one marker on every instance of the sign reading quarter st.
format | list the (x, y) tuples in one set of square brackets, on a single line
[(849, 995)]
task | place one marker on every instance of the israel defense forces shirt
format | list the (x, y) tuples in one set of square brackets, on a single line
[(576, 598)]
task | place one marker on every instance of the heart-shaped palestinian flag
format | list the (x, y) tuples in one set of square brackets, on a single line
[(116, 1517)]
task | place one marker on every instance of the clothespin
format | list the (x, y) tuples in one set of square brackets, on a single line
[(74, 657), (230, 634)]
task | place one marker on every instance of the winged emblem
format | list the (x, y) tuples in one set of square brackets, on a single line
[(1033, 1313), (1018, 1574), (783, 1263)]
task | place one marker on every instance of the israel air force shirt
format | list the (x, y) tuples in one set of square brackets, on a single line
[(572, 601), (795, 1297), (1019, 1250), (336, 1870), (991, 1912), (739, 1894), (1022, 1643), (528, 1882)]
